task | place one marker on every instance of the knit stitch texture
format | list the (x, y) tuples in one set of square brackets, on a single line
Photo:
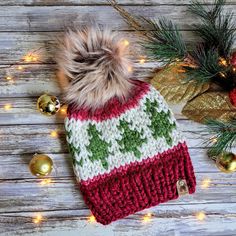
[(128, 156)]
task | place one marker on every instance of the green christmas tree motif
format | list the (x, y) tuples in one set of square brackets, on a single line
[(73, 150), (131, 139), (97, 147), (160, 123)]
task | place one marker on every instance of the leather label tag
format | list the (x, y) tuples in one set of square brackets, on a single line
[(182, 187)]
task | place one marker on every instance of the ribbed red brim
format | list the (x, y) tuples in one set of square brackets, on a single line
[(139, 185)]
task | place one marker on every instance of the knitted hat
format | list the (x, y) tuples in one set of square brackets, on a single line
[(128, 153)]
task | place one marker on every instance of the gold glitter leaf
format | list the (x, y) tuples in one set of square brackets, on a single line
[(214, 105), (171, 83)]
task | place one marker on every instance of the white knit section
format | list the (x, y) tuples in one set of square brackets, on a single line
[(139, 120)]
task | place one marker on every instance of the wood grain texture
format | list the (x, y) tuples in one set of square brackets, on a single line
[(101, 2), (164, 222), (24, 42), (55, 18), (26, 25), (52, 196)]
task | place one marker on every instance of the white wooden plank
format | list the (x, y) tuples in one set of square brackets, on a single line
[(15, 45), (25, 139), (95, 2), (54, 18), (24, 111), (63, 193), (166, 221)]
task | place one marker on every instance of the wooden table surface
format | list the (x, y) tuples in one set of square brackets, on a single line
[(28, 25)]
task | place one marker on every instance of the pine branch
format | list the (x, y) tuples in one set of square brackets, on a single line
[(205, 13), (224, 133), (216, 29), (219, 35), (165, 41), (207, 65), (161, 38)]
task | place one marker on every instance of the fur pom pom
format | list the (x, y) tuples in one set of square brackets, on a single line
[(96, 65)]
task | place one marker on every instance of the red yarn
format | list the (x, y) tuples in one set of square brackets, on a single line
[(232, 97), (139, 185), (113, 108)]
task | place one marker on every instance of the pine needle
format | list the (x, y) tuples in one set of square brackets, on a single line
[(216, 29), (224, 133), (165, 41), (205, 13), (207, 65)]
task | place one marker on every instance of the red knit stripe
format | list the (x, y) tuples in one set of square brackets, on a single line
[(139, 185), (124, 168), (113, 108)]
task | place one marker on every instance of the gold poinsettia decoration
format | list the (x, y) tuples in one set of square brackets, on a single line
[(201, 104), (211, 105), (173, 86)]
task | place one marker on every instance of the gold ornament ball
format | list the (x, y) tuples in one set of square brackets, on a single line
[(226, 162), (48, 105), (41, 165)]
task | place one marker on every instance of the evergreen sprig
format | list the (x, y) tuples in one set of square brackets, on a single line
[(216, 29), (224, 134), (205, 13), (165, 43), (207, 65)]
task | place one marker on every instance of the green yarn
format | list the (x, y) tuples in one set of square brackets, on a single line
[(97, 147), (73, 150), (160, 123), (131, 139)]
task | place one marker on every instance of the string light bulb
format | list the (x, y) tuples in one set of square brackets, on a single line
[(7, 107), (54, 134), (223, 62), (8, 78), (201, 216), (63, 110), (205, 183), (142, 61), (147, 217), (45, 182), (38, 219), (126, 42), (91, 219), (20, 67), (30, 57)]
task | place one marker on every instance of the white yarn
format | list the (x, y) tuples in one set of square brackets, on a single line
[(110, 133)]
